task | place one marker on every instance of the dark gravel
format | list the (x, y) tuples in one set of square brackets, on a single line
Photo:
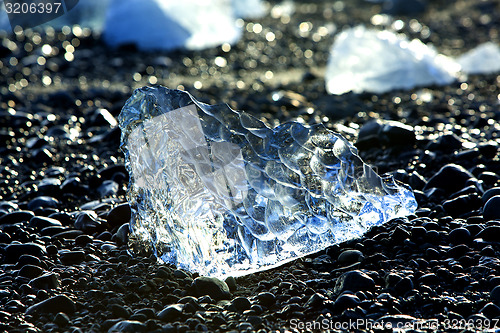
[(65, 262)]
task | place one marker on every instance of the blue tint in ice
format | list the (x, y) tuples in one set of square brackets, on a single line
[(483, 59), (215, 191), (380, 61)]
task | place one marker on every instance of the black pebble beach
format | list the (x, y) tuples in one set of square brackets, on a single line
[(65, 265)]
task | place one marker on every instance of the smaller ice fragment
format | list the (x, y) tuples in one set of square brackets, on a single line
[(380, 61), (483, 59)]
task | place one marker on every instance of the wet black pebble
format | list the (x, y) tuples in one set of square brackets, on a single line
[(171, 313), (88, 221), (490, 233), (212, 287), (30, 271), (71, 257), (353, 281), (27, 259), (495, 295), (40, 222), (346, 301), (108, 188), (119, 311), (241, 303), (385, 132), (348, 257), (121, 235), (231, 283), (46, 281), (119, 215), (491, 210), (460, 236), (14, 251), (130, 326), (16, 217), (83, 240), (490, 194), (266, 299), (490, 310), (462, 204), (61, 319), (43, 202), (451, 178), (59, 303)]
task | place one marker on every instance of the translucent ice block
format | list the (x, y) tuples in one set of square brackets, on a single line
[(215, 191)]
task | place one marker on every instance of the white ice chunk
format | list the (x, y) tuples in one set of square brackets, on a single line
[(380, 61), (483, 59), (168, 24), (248, 8)]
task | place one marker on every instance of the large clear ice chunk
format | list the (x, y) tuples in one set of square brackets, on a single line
[(215, 191)]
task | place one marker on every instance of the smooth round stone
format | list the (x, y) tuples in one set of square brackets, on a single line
[(83, 240), (46, 281), (14, 251), (460, 236), (74, 185), (171, 313), (266, 298), (43, 202), (490, 233), (451, 178), (241, 303), (59, 303), (27, 259), (348, 257), (49, 185), (212, 287), (346, 301), (72, 257), (61, 319), (354, 281), (121, 235), (40, 222), (495, 295), (119, 215), (231, 283), (88, 221), (491, 210), (128, 326), (30, 271), (16, 217), (490, 310), (108, 188), (490, 194)]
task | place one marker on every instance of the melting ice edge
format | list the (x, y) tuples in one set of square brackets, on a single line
[(215, 191)]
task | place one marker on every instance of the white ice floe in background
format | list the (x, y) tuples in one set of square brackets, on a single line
[(167, 24), (482, 59), (160, 24), (380, 61), (364, 60)]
